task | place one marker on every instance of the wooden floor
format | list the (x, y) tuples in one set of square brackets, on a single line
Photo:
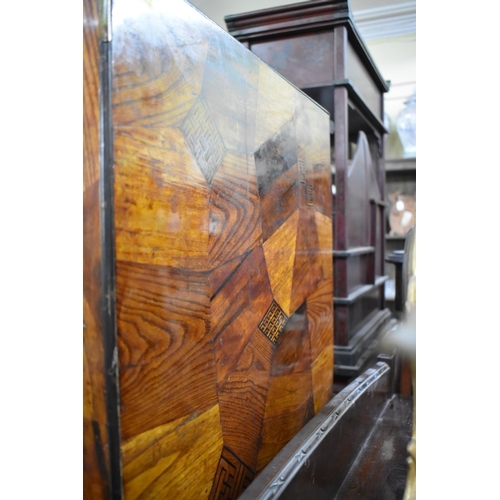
[(379, 472)]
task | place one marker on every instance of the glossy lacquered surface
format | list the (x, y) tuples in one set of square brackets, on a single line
[(95, 434), (223, 237), (316, 46)]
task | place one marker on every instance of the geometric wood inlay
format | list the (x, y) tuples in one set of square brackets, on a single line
[(273, 322), (203, 139), (310, 198), (232, 477), (222, 210)]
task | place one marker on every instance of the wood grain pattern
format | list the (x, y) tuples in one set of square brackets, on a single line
[(163, 322), (218, 276), (289, 407), (232, 477), (156, 76), (293, 349), (322, 378), (236, 316), (93, 350), (320, 317), (307, 269), (96, 478), (90, 94), (161, 200), (235, 222), (243, 398), (95, 460), (277, 176), (279, 250), (275, 104), (325, 240), (217, 257), (316, 46), (174, 460), (230, 88)]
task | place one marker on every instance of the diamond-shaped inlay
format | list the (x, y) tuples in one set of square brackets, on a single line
[(203, 139), (273, 322)]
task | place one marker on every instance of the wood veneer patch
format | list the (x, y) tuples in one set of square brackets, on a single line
[(273, 322), (242, 400), (279, 250), (232, 477), (236, 311), (164, 345), (235, 222), (176, 460), (203, 139)]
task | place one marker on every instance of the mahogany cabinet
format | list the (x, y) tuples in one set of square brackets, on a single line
[(208, 278), (316, 46)]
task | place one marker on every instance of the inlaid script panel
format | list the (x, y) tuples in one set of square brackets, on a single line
[(223, 242)]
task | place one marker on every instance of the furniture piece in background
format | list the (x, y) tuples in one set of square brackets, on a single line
[(316, 46), (208, 276), (400, 178)]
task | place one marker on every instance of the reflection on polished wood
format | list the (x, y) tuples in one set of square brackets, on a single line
[(223, 246), (95, 434)]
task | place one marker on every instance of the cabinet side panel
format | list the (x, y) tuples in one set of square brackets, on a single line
[(223, 234), (95, 434)]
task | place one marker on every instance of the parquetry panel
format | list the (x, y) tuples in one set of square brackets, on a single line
[(289, 407), (219, 275), (278, 178), (325, 237), (322, 378), (276, 104), (293, 350), (222, 230)]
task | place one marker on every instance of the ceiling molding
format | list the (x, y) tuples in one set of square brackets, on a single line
[(386, 21)]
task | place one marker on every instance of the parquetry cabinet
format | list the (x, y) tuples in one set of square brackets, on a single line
[(208, 279)]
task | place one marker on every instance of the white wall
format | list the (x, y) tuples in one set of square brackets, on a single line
[(395, 58)]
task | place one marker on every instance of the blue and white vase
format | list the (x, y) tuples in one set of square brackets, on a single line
[(406, 125)]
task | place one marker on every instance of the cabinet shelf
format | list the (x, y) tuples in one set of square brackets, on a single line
[(401, 165), (394, 237)]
